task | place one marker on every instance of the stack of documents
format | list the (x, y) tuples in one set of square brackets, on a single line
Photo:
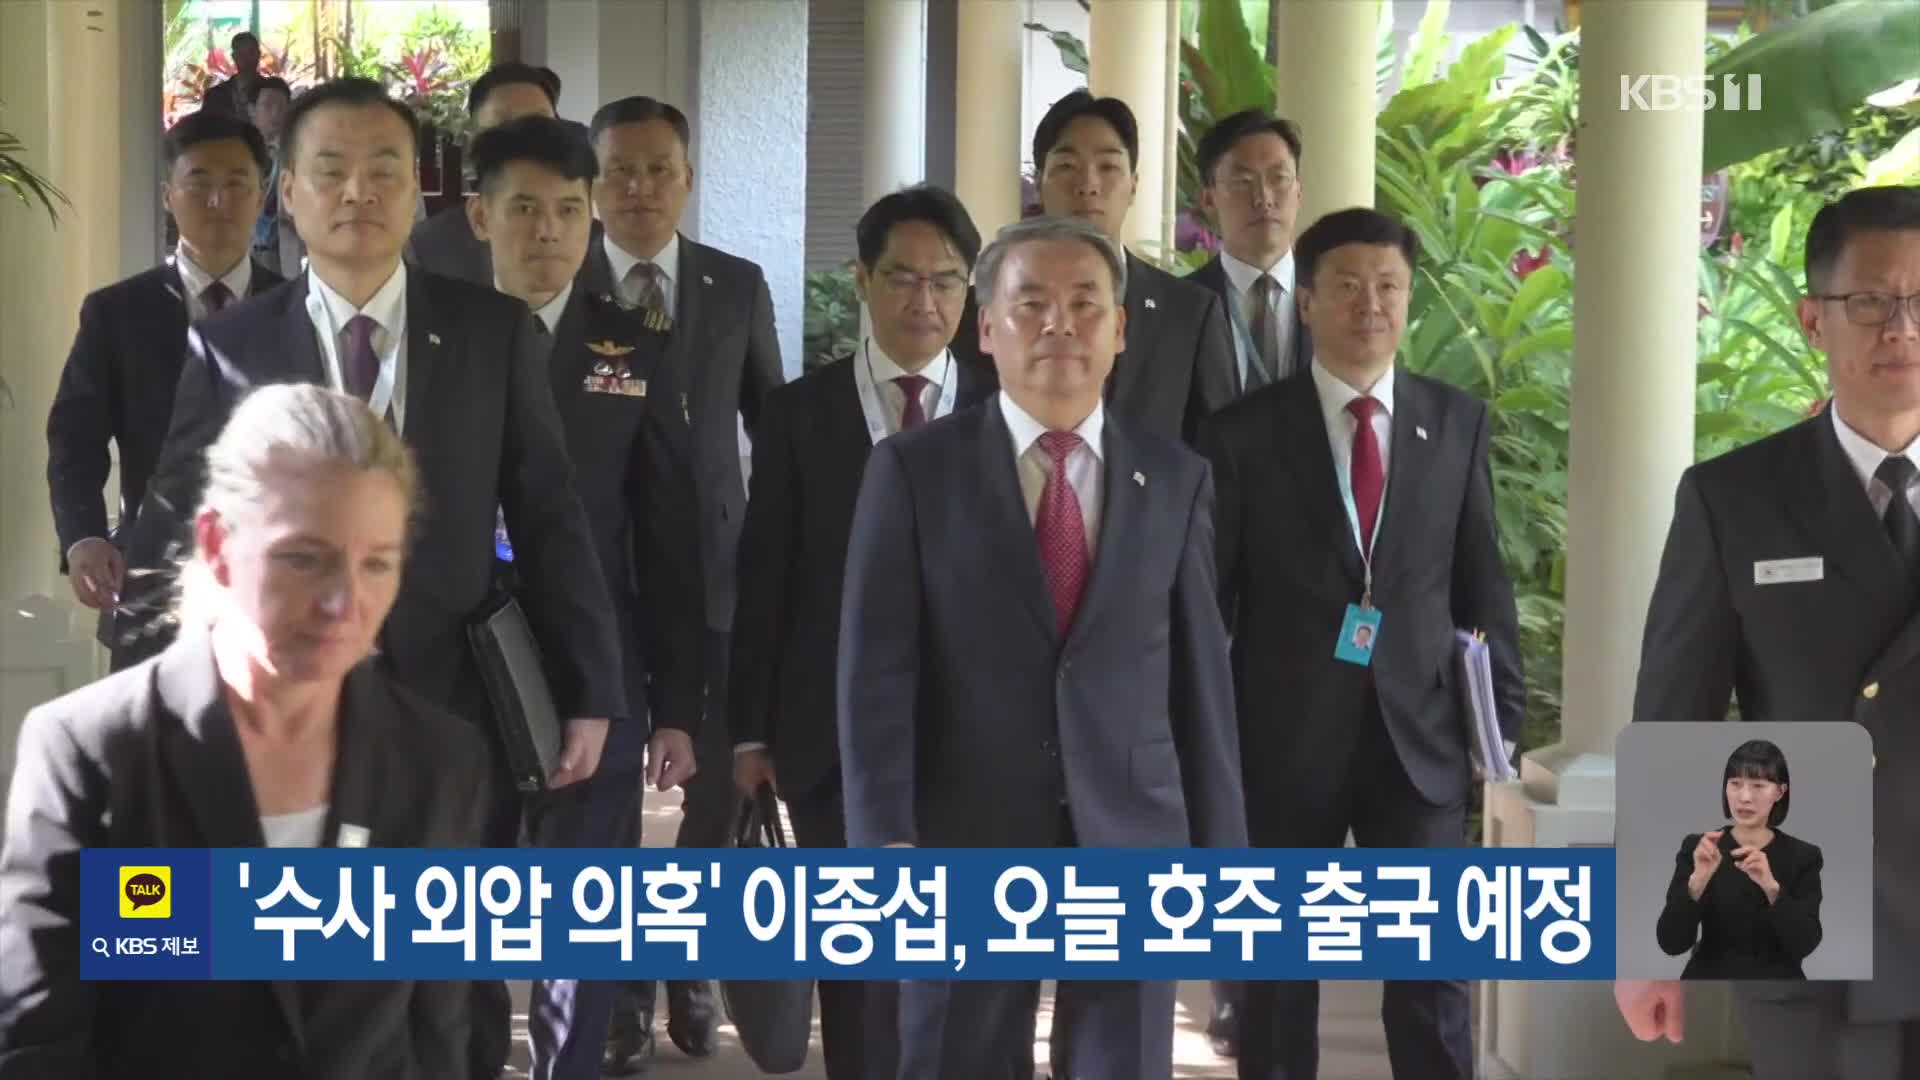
[(1484, 741)]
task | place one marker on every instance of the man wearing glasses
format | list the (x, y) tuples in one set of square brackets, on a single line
[(1250, 164), (118, 383), (1816, 527)]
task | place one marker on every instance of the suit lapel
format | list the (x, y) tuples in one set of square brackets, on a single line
[(1123, 524), (567, 343), (1834, 509), (1143, 327), (688, 306), (1408, 467), (424, 336), (299, 344), (202, 752), (359, 762), (261, 279), (1011, 526), (1310, 456)]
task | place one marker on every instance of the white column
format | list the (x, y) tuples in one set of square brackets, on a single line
[(1128, 50), (987, 113), (1637, 238), (896, 96), (1324, 82)]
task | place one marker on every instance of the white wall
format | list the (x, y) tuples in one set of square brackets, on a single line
[(1047, 80), (750, 146)]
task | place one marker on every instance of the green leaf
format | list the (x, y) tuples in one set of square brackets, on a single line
[(1244, 79), (1073, 51), (1558, 339), (1542, 285), (1533, 399), (1780, 234), (1812, 72), (1898, 166), (1428, 46)]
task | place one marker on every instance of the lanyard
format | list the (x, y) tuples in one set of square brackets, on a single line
[(875, 409), (1353, 519)]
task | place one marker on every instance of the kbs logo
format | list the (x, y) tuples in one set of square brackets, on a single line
[(146, 892), (1669, 93)]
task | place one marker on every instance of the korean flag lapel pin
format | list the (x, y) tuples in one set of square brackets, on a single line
[(706, 279), (1419, 431), (1140, 478), (353, 836), (433, 338), (1150, 305)]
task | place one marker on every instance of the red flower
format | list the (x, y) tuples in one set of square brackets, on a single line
[(1525, 262), (1737, 244)]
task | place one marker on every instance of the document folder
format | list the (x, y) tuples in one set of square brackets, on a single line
[(1484, 741), (516, 682)]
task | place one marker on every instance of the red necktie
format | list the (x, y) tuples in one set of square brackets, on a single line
[(1369, 479), (1061, 530), (216, 296), (915, 413)]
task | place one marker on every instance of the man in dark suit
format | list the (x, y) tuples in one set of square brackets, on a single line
[(1790, 579), (1178, 362), (459, 370), (233, 95), (1091, 702), (1250, 166), (118, 384), (445, 243), (1354, 495), (916, 250), (535, 176), (723, 359)]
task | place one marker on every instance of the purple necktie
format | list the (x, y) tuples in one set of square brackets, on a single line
[(359, 365), (216, 296), (915, 413)]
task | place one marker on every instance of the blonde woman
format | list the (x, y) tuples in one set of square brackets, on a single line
[(261, 726)]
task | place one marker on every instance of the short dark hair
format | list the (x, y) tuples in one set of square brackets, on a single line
[(362, 93), (1222, 137), (242, 38), (512, 73), (1757, 759), (922, 202), (1358, 225), (1871, 209), (542, 140), (1076, 105), (641, 110), (271, 82), (212, 125)]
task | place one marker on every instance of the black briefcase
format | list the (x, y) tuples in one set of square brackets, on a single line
[(773, 1017), (516, 681)]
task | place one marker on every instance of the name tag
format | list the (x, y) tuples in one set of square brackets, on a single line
[(614, 384), (1782, 571)]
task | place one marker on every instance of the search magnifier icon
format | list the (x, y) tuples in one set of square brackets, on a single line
[(100, 946)]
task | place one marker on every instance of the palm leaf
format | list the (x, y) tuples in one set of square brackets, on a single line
[(26, 184)]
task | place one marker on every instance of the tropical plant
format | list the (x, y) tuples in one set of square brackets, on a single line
[(832, 326), (24, 182)]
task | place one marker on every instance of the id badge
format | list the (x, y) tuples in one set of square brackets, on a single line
[(1358, 634)]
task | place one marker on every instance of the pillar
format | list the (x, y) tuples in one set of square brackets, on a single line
[(1128, 49), (987, 113), (1637, 239), (1324, 82), (896, 92)]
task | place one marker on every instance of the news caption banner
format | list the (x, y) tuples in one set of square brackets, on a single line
[(370, 913)]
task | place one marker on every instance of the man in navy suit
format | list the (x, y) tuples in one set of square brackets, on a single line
[(118, 384), (460, 371), (1031, 649), (917, 247)]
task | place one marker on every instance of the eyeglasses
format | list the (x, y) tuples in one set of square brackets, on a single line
[(1250, 184), (1876, 308), (200, 188), (945, 286)]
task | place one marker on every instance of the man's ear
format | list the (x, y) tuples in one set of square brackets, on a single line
[(861, 282), (477, 217)]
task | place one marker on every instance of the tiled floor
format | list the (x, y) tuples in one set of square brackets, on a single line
[(1352, 1046)]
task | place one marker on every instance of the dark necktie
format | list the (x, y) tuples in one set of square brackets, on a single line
[(216, 296), (359, 365), (1268, 310), (915, 413), (1369, 479), (1061, 530), (653, 287), (1903, 526)]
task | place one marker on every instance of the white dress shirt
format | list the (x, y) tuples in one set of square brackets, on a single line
[(197, 281), (1083, 465), (1866, 459), (300, 829), (550, 312), (621, 262), (1241, 277), (388, 309), (1341, 425), (874, 363)]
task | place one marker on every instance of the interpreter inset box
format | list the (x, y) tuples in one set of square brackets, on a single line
[(1744, 851)]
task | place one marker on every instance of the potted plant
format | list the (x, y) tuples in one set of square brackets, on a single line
[(29, 187)]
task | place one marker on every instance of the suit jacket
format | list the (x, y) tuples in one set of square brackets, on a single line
[(1733, 931), (1289, 566), (148, 757), (481, 420), (722, 359), (1213, 275), (225, 97), (118, 386), (966, 720), (628, 459), (1713, 634), (444, 244), (808, 459)]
